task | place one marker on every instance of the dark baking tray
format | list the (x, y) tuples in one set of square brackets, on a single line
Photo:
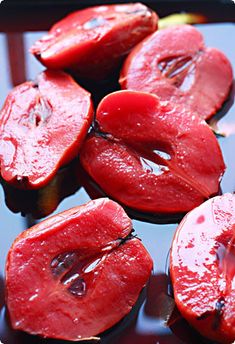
[(21, 23)]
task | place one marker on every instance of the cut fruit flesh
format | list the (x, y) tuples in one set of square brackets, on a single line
[(175, 65), (42, 128), (92, 42), (60, 271), (202, 268), (152, 157)]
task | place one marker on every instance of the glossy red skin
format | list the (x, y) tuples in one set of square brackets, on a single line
[(208, 80), (94, 53), (39, 304), (198, 276), (137, 124), (31, 153)]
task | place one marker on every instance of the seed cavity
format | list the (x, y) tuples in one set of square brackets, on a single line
[(75, 269), (62, 263), (180, 70), (151, 167), (40, 111)]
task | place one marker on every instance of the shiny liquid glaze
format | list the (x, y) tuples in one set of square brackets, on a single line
[(147, 322)]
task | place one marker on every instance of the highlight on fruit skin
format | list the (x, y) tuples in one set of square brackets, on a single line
[(43, 125), (175, 65), (93, 42), (150, 156), (202, 268), (76, 274)]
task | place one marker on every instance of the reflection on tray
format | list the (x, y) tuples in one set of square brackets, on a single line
[(42, 202)]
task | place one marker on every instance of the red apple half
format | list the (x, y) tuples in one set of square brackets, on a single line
[(42, 125), (175, 65), (150, 156), (92, 42), (77, 273)]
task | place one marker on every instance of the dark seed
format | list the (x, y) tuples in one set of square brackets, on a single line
[(78, 288), (62, 262)]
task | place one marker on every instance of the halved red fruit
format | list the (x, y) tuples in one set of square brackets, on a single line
[(150, 156), (76, 274), (203, 268), (92, 42), (42, 127), (175, 65)]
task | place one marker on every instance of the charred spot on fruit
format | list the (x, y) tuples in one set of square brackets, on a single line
[(94, 23)]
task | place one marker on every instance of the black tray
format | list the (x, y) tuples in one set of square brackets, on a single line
[(146, 323)]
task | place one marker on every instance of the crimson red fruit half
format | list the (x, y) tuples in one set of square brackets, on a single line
[(203, 268), (42, 127), (151, 157), (76, 274), (175, 65), (92, 42)]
